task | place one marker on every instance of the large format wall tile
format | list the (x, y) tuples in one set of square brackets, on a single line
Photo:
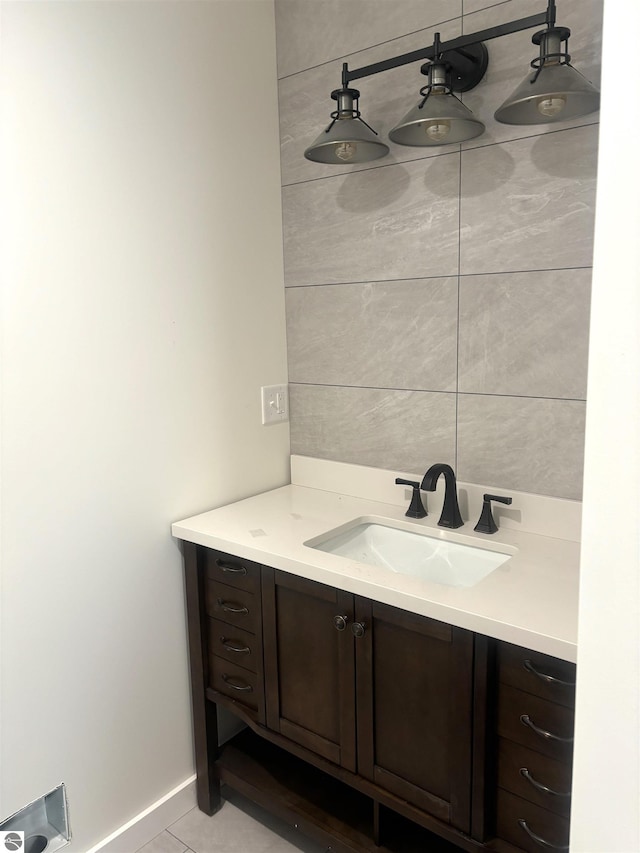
[(528, 444), (393, 362), (525, 333), (398, 334), (306, 104), (509, 58), (394, 222), (310, 32), (529, 204), (397, 430)]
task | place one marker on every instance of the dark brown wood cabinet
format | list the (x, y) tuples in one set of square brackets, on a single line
[(234, 631), (371, 728), (309, 665), (328, 653), (415, 684), (535, 702)]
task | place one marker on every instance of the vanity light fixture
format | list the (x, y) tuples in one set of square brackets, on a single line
[(348, 139), (555, 91), (441, 118)]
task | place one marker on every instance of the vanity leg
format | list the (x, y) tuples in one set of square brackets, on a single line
[(376, 823), (205, 713)]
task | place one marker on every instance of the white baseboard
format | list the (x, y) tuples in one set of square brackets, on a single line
[(134, 834)]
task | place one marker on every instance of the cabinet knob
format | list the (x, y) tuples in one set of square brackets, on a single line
[(358, 629), (340, 622)]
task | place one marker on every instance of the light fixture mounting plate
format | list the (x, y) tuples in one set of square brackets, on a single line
[(466, 65)]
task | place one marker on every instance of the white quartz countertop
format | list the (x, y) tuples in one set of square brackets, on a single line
[(531, 600)]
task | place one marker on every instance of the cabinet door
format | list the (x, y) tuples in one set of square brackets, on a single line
[(309, 665), (414, 697)]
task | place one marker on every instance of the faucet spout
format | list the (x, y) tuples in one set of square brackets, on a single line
[(450, 516)]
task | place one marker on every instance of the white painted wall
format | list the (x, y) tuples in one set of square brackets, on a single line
[(142, 307), (606, 790)]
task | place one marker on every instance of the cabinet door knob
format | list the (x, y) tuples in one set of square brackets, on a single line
[(358, 629), (340, 622)]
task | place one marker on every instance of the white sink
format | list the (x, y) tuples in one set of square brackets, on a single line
[(398, 548)]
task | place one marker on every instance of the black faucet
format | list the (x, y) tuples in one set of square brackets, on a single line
[(486, 522), (450, 516), (416, 507)]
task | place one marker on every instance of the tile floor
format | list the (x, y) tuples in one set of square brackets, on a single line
[(239, 827)]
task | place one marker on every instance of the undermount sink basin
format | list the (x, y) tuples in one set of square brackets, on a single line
[(409, 552)]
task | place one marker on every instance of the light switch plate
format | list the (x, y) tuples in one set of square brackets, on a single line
[(275, 404)]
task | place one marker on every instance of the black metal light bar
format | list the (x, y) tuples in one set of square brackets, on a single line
[(555, 92), (543, 18)]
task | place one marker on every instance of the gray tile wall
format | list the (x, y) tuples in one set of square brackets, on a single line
[(438, 299)]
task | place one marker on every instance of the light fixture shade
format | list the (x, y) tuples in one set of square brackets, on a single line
[(441, 119), (558, 93), (348, 140)]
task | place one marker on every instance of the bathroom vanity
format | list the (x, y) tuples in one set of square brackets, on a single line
[(394, 717)]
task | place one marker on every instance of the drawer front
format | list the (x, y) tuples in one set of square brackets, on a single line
[(235, 682), (534, 777), (234, 606), (529, 827), (544, 676), (233, 571), (234, 645), (535, 723)]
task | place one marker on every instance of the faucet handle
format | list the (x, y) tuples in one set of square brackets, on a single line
[(486, 522), (416, 507)]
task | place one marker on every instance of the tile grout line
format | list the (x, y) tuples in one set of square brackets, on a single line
[(458, 310), (187, 849), (432, 391), (462, 28), (433, 277)]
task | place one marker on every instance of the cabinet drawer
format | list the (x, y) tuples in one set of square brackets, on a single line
[(233, 571), (544, 676), (534, 777), (535, 723), (235, 606), (235, 682), (234, 644), (529, 827)]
